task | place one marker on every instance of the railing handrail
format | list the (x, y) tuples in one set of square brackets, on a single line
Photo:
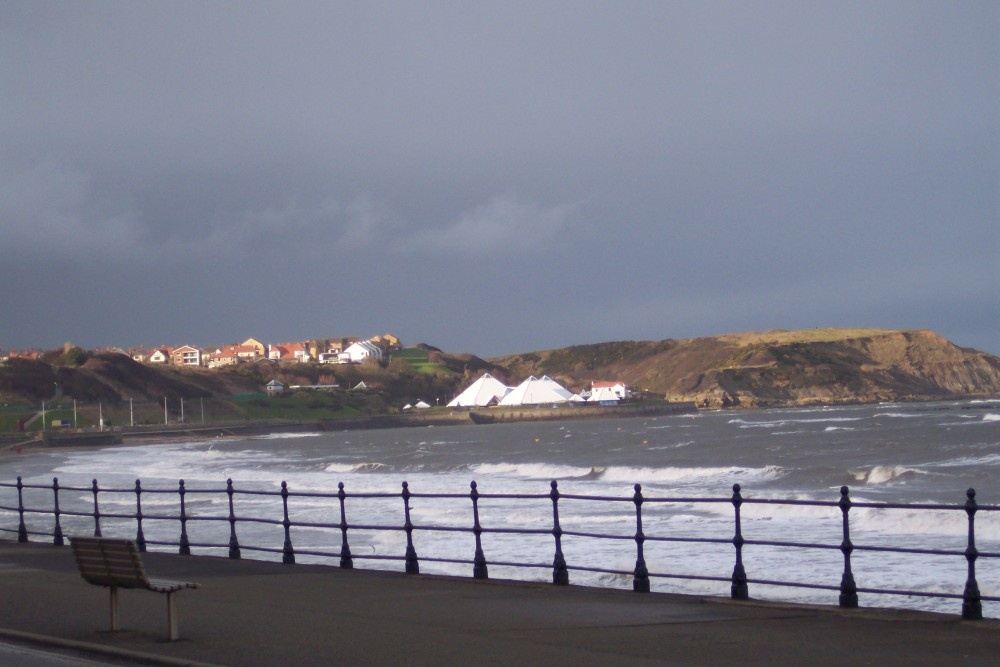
[(971, 597)]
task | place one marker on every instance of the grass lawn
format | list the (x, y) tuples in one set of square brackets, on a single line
[(417, 359)]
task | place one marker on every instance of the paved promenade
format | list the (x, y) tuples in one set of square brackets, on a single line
[(255, 613)]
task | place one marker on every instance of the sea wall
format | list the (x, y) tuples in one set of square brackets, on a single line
[(561, 412)]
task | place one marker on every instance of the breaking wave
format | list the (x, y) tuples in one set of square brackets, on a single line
[(630, 475), (357, 467), (885, 474), (743, 423)]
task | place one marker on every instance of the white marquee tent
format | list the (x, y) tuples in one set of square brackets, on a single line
[(535, 391), (485, 391)]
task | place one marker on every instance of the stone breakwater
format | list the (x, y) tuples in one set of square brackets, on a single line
[(553, 413)]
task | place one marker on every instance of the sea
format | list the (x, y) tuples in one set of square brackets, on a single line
[(686, 466)]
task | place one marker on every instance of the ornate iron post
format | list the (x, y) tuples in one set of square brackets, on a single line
[(738, 589), (234, 544), (412, 565), (287, 553), (22, 530), (346, 561), (57, 534), (97, 512), (640, 578), (972, 605), (848, 589), (479, 569), (185, 546), (560, 574), (140, 538)]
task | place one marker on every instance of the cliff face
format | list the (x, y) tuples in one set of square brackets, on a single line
[(781, 367)]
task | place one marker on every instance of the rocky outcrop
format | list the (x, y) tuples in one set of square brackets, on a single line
[(782, 367)]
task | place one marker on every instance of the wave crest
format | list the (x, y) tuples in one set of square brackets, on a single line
[(630, 475), (885, 474), (356, 467)]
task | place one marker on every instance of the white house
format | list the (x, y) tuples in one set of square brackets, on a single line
[(608, 392), (360, 351), (159, 356)]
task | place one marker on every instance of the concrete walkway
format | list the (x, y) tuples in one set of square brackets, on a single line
[(256, 613)]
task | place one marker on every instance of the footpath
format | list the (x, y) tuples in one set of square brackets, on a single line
[(262, 613)]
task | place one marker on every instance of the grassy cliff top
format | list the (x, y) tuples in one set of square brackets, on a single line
[(786, 337)]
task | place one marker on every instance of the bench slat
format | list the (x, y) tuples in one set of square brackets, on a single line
[(118, 564), (169, 585), (107, 562)]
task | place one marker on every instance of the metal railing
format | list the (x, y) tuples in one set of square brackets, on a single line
[(39, 517)]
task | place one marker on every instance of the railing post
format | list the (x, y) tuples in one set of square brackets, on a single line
[(972, 605), (560, 574), (412, 565), (97, 511), (22, 530), (287, 553), (640, 578), (738, 589), (140, 538), (346, 561), (57, 534), (234, 544), (848, 589), (479, 569), (185, 546)]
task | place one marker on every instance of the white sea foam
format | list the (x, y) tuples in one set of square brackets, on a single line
[(533, 471), (884, 522), (968, 461), (884, 474), (725, 474), (368, 466), (743, 423), (991, 417)]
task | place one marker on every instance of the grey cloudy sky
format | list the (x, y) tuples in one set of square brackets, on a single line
[(496, 177)]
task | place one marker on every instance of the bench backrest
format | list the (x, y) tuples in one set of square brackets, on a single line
[(106, 561)]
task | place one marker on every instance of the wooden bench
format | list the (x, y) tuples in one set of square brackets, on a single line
[(114, 563)]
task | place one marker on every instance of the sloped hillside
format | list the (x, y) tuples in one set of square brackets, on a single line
[(104, 377), (112, 378), (779, 367)]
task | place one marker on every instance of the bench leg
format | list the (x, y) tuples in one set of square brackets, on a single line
[(115, 624), (172, 618)]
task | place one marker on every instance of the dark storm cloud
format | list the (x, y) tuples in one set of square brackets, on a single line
[(496, 178)]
